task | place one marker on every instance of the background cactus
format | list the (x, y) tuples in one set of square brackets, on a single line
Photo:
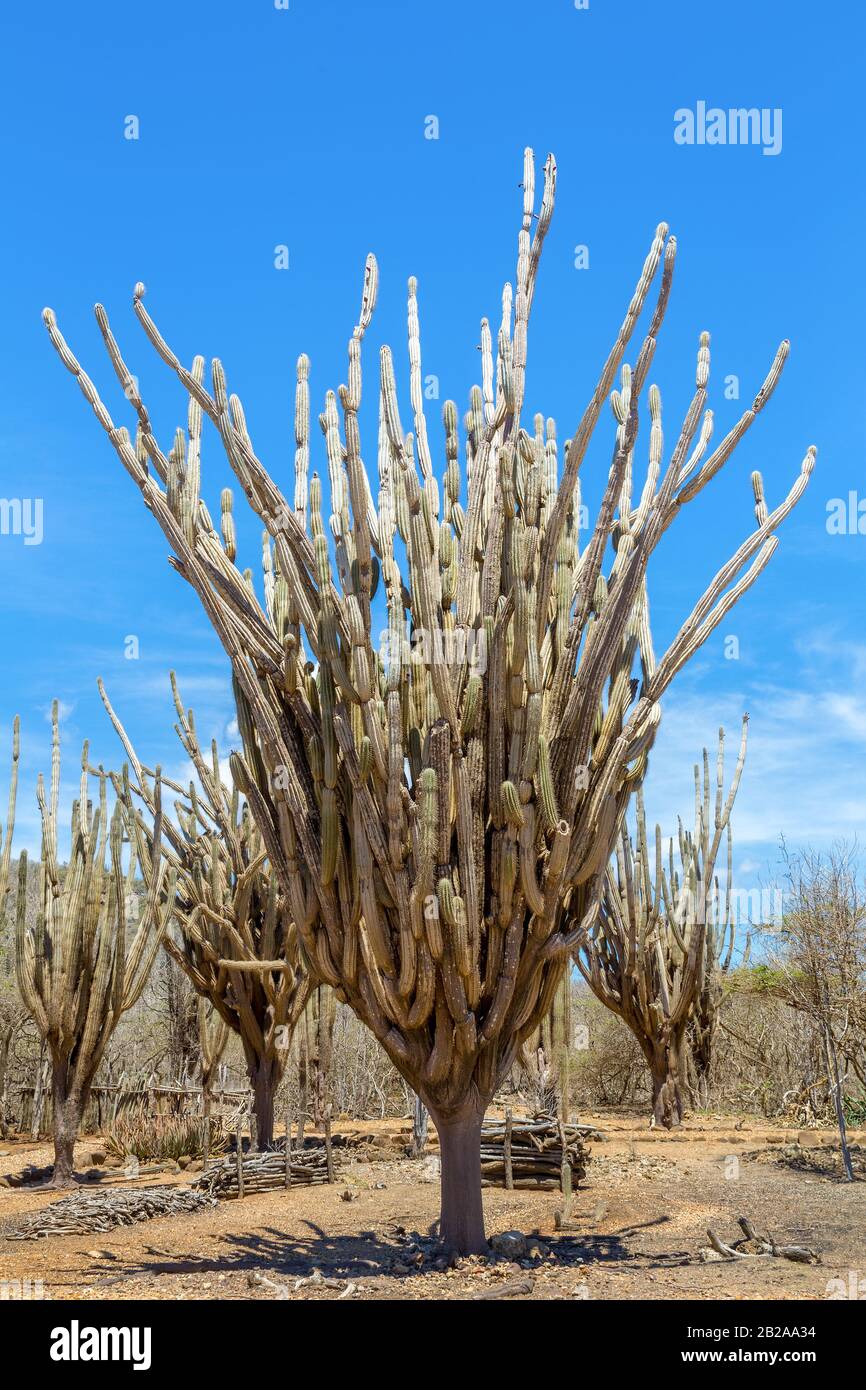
[(78, 971), (653, 955), (440, 820), (236, 940), (6, 840)]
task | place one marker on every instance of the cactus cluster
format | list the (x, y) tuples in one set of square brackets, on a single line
[(664, 932), (439, 807), (235, 937), (86, 959)]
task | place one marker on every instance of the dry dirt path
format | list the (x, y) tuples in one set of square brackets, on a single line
[(637, 1225)]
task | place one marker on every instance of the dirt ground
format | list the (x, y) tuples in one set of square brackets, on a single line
[(636, 1227)]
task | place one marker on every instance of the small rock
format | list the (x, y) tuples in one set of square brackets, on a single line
[(184, 1161), (432, 1169), (511, 1245), (97, 1158), (809, 1139)]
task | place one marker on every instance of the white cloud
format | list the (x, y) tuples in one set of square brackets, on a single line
[(804, 773)]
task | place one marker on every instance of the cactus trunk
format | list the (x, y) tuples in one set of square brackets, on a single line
[(264, 1074), (461, 1222), (664, 1058), (68, 1105)]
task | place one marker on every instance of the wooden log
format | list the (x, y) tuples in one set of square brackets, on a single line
[(288, 1173), (254, 967), (329, 1155), (240, 1161)]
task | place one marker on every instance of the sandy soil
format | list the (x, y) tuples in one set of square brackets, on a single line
[(635, 1230)]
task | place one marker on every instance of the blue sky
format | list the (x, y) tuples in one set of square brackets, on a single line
[(305, 127)]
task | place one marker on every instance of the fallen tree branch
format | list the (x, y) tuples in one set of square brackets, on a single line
[(767, 1247)]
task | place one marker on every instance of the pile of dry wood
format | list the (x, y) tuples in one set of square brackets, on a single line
[(86, 1213), (534, 1153), (263, 1172)]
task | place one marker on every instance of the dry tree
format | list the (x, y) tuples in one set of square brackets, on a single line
[(78, 971), (815, 960), (662, 935), (440, 807), (237, 941)]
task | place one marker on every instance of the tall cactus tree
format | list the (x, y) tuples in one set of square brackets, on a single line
[(441, 819), (236, 939), (78, 969), (6, 840), (652, 956)]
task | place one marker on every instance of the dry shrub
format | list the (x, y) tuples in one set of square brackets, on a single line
[(160, 1138)]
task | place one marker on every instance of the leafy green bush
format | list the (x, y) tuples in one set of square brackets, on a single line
[(855, 1110)]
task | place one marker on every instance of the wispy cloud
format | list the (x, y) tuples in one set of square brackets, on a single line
[(803, 777)]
